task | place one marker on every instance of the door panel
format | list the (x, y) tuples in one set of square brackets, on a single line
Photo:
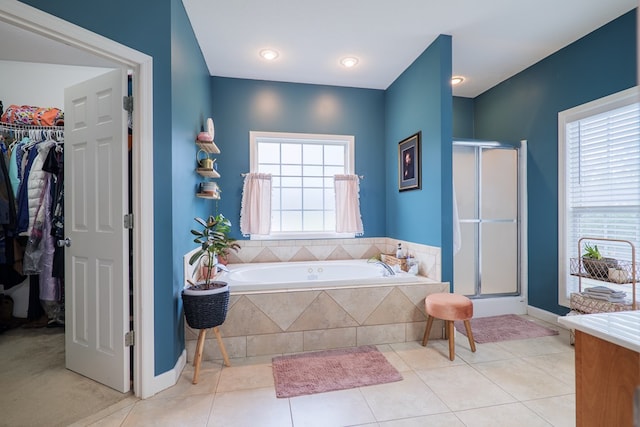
[(96, 288), (499, 184), (499, 255), (486, 182)]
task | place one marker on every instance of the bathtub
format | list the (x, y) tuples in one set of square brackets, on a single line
[(310, 275), (289, 307)]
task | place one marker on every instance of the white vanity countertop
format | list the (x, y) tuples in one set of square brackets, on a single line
[(621, 328)]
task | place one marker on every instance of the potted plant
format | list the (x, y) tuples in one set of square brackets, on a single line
[(206, 300), (595, 264)]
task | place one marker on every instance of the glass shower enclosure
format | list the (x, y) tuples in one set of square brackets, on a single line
[(488, 239)]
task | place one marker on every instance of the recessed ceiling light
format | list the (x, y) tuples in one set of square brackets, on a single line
[(269, 54), (456, 80), (349, 61)]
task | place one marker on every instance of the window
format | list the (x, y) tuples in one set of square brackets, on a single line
[(599, 180), (302, 168)]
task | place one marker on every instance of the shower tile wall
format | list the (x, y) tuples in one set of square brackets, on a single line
[(428, 257)]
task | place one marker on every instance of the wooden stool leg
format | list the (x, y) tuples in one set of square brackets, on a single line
[(452, 337), (427, 331), (467, 326), (198, 356), (221, 345)]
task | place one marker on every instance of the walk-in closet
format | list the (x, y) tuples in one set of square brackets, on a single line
[(33, 242)]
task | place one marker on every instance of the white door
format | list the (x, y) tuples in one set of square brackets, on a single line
[(96, 271)]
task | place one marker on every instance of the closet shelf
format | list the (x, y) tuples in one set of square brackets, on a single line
[(208, 147), (208, 173)]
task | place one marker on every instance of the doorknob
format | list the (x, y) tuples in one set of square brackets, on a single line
[(66, 242)]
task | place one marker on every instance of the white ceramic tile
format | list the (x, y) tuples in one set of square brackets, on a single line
[(537, 346), (337, 408), (256, 407), (402, 399), (509, 415), (536, 376), (245, 377), (207, 381), (523, 380), (488, 352), (559, 411), (182, 411), (558, 365), (438, 420), (434, 355), (462, 387)]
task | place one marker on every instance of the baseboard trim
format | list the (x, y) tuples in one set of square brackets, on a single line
[(544, 315), (170, 378)]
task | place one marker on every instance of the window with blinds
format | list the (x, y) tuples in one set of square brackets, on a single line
[(599, 177), (302, 168)]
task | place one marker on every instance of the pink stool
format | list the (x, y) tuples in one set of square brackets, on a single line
[(449, 307)]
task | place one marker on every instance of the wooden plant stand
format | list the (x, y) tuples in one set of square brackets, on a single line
[(200, 349)]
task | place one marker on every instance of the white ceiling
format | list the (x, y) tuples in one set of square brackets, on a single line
[(492, 39)]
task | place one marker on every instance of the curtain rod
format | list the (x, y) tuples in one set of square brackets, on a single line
[(247, 173)]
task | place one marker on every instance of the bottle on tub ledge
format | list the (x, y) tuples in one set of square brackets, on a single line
[(412, 265), (399, 253)]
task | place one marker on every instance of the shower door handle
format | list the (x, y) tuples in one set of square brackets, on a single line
[(66, 242)]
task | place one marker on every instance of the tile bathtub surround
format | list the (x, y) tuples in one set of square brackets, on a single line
[(287, 322), (428, 257)]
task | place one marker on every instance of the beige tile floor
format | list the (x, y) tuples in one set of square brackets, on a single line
[(512, 383)]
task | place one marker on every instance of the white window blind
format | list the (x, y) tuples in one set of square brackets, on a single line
[(302, 168), (602, 181)]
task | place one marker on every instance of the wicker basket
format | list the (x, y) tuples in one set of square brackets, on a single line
[(206, 309)]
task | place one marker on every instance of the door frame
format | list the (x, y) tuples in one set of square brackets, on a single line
[(51, 27)]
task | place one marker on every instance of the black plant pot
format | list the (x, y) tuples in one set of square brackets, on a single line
[(204, 309)]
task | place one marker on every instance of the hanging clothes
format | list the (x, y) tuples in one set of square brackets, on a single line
[(54, 164)]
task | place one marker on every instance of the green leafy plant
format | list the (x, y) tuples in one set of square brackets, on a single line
[(214, 241), (591, 252)]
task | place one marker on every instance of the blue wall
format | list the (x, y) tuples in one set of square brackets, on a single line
[(191, 104), (420, 100), (240, 106), (463, 118), (527, 106), (180, 101)]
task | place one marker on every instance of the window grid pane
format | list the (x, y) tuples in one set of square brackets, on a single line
[(303, 189)]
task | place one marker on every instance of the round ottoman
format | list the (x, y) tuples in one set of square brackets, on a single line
[(449, 307)]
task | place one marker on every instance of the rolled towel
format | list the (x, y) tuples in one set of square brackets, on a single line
[(205, 137)]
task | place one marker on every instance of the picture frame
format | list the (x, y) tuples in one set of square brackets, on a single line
[(409, 164)]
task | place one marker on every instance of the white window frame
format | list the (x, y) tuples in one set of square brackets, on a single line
[(602, 105), (349, 143)]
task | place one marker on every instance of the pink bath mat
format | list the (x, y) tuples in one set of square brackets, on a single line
[(321, 371), (504, 328)]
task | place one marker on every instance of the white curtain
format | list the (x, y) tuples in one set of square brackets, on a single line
[(457, 236), (348, 218), (255, 212)]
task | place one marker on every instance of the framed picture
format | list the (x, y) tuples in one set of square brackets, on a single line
[(409, 163)]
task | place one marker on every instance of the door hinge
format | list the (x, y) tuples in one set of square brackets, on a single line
[(129, 338), (128, 221), (127, 104)]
